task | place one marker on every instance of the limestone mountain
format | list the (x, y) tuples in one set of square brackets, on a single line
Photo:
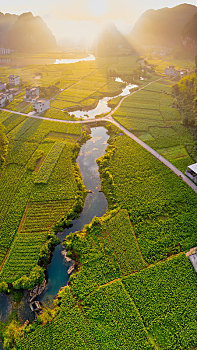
[(162, 27), (189, 35), (25, 33), (112, 43)]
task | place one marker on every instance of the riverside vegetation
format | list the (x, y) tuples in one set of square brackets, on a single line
[(117, 298), (133, 286)]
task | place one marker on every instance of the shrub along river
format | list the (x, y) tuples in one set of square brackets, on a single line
[(95, 205)]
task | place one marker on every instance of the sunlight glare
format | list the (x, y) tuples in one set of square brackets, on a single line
[(98, 8)]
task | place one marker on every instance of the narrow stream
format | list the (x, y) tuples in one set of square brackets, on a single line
[(95, 205), (102, 106)]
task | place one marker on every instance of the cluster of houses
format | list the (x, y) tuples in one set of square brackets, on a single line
[(32, 95), (175, 73), (4, 51), (7, 94)]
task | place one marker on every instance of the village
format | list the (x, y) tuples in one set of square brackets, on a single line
[(12, 88)]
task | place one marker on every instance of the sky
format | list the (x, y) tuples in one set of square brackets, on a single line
[(76, 19)]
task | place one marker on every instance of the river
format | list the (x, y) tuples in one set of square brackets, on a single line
[(26, 61), (102, 106), (95, 205)]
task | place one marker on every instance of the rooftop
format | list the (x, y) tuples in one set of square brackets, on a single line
[(14, 76), (193, 167), (42, 101)]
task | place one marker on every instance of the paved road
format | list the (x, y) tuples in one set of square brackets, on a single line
[(157, 155), (110, 119)]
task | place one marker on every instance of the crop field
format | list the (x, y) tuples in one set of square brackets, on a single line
[(107, 251), (151, 115), (57, 114), (133, 286), (150, 309), (107, 319), (161, 64), (87, 91), (165, 296), (161, 207), (80, 85), (37, 188)]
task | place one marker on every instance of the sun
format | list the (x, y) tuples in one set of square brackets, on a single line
[(98, 7)]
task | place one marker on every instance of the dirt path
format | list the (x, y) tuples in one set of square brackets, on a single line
[(110, 119)]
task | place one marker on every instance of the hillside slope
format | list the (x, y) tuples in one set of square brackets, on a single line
[(25, 33), (189, 36), (162, 27), (112, 43)]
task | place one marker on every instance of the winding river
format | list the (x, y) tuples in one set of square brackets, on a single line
[(95, 205), (102, 106)]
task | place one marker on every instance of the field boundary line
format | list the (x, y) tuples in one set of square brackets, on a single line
[(5, 258), (151, 340)]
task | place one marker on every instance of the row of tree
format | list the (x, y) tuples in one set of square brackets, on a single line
[(186, 94)]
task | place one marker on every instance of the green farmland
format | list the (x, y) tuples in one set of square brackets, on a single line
[(37, 186), (151, 114), (132, 288)]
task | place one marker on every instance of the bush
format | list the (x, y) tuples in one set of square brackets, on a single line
[(3, 287)]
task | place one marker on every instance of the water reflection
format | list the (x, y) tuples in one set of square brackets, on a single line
[(102, 107), (95, 205)]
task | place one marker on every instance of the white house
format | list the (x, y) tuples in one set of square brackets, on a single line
[(2, 100), (14, 80), (193, 259), (9, 96), (4, 51), (32, 93), (192, 172), (5, 97), (41, 105), (2, 86)]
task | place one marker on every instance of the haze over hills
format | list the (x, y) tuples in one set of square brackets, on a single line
[(189, 36), (163, 27), (112, 43), (25, 33)]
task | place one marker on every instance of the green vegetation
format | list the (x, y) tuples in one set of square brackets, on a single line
[(107, 249), (153, 116), (49, 163), (165, 296), (150, 309), (72, 87), (86, 313), (161, 207), (133, 287), (39, 186), (186, 95)]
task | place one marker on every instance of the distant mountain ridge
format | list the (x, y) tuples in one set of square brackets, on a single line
[(112, 43), (163, 27), (189, 35), (25, 33)]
